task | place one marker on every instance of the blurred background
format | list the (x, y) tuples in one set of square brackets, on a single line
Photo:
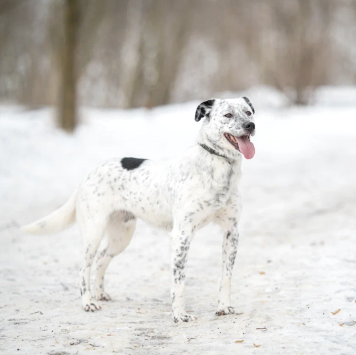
[(84, 81), (146, 53)]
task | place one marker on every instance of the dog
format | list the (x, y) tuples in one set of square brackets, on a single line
[(181, 195)]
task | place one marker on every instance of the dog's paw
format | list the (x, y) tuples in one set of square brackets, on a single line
[(103, 296), (183, 317), (91, 307), (225, 311)]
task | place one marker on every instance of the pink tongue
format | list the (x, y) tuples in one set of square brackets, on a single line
[(246, 147)]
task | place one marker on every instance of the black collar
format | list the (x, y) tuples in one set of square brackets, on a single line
[(212, 151)]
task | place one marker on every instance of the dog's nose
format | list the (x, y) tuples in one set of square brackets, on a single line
[(248, 126)]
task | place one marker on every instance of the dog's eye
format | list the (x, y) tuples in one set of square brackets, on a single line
[(248, 113), (228, 115)]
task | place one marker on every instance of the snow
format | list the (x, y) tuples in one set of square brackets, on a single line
[(296, 261), (336, 96)]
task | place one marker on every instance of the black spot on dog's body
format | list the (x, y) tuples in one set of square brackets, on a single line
[(131, 163)]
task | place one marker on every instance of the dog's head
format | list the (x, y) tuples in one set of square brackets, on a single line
[(228, 126)]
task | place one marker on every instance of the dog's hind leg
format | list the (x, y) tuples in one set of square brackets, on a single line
[(92, 235), (120, 229)]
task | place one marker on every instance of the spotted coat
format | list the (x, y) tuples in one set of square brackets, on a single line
[(181, 196)]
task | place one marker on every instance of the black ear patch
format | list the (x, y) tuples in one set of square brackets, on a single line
[(131, 163), (249, 103), (204, 109)]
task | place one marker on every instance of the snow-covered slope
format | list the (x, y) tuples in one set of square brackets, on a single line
[(296, 262)]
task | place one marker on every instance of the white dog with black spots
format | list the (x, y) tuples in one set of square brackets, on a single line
[(181, 195)]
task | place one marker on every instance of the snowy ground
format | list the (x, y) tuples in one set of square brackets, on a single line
[(296, 261)]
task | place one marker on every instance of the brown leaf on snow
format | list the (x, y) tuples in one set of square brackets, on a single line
[(239, 341), (262, 273), (336, 312), (341, 324), (256, 346)]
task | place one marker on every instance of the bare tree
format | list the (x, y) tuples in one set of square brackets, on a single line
[(168, 27), (132, 53), (132, 48), (67, 110), (293, 48)]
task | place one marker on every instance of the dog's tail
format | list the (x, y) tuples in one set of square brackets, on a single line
[(56, 221)]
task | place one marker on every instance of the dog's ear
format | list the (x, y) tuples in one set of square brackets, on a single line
[(204, 109), (249, 103)]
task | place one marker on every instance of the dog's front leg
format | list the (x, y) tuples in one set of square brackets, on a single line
[(229, 253), (180, 247)]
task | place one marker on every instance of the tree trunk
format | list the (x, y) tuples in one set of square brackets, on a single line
[(132, 53), (67, 102)]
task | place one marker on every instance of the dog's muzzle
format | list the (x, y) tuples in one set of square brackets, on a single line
[(249, 126), (242, 144)]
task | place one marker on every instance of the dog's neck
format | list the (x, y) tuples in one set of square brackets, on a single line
[(214, 149)]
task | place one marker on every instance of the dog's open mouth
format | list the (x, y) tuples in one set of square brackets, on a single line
[(242, 144)]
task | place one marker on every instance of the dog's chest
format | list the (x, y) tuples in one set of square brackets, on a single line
[(219, 184)]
